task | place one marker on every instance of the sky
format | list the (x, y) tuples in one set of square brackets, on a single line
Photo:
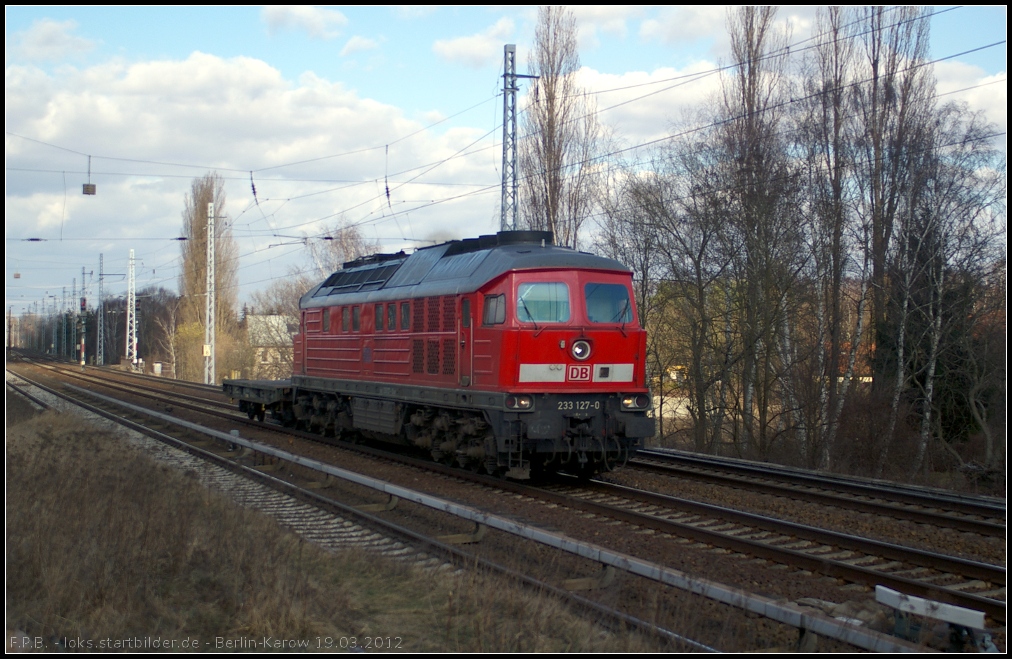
[(322, 110)]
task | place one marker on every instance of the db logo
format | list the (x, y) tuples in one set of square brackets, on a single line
[(579, 373)]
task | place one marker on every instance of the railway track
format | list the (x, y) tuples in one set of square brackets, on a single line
[(858, 560), (982, 515), (153, 387), (297, 503), (828, 556)]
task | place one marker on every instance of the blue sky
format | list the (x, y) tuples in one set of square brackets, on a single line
[(158, 96)]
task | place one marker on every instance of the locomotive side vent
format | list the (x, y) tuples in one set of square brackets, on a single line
[(432, 357), (417, 356), (449, 357), (432, 304), (449, 314), (418, 317)]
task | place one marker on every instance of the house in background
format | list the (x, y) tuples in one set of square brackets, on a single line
[(271, 337)]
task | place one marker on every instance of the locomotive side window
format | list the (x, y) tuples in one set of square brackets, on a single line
[(344, 319), (608, 303), (379, 317), (392, 316), (326, 321), (465, 312), (495, 310), (543, 302), (405, 315), (356, 318)]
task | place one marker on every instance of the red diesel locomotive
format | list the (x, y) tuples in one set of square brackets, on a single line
[(502, 352)]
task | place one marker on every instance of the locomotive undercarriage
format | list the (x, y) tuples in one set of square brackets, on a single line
[(579, 443), (514, 444)]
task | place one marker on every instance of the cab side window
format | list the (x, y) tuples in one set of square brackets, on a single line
[(495, 310)]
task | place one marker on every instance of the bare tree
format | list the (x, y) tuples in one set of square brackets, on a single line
[(166, 324), (210, 188), (984, 372), (560, 132), (957, 237), (838, 242), (893, 102), (337, 246), (156, 310), (763, 236), (634, 208)]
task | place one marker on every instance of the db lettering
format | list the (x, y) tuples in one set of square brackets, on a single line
[(579, 373)]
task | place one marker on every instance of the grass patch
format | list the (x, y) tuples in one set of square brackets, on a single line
[(104, 544)]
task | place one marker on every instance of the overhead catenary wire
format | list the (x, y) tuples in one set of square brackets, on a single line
[(474, 192)]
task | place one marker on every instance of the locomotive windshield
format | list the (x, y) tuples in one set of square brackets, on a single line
[(608, 303), (543, 302)]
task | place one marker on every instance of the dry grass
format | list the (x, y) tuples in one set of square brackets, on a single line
[(103, 543)]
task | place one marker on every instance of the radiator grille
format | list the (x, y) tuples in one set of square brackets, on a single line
[(449, 357), (417, 356)]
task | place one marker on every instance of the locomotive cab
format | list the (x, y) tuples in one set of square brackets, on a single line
[(567, 347)]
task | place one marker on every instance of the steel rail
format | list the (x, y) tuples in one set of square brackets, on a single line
[(785, 613), (618, 619), (846, 500)]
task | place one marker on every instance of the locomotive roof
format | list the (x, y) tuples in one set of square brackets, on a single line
[(459, 266)]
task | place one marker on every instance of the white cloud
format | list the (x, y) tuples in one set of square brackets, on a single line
[(645, 105), (316, 150), (477, 50), (684, 23), (968, 84), (610, 20), (705, 29), (317, 23), (410, 12), (358, 44), (50, 40), (433, 116)]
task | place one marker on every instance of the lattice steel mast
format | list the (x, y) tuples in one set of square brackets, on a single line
[(209, 366), (508, 219), (131, 325), (100, 321)]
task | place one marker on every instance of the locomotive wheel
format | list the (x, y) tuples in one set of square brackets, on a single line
[(472, 465)]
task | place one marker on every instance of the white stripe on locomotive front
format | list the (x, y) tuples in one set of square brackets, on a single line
[(557, 372)]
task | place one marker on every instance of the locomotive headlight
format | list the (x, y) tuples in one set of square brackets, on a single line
[(519, 402), (580, 350), (635, 402)]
